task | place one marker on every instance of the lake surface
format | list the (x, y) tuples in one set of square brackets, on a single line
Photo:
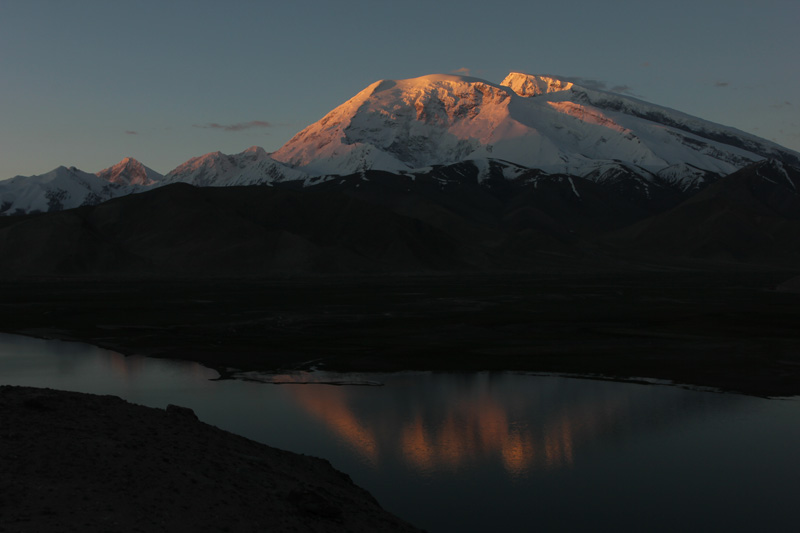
[(485, 451)]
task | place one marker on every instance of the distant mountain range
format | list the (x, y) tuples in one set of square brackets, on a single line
[(434, 173), (408, 127)]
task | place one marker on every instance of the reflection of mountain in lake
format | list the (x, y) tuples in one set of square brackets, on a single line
[(331, 406), (478, 428), (448, 422)]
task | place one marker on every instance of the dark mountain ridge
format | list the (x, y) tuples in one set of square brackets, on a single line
[(751, 216), (449, 219)]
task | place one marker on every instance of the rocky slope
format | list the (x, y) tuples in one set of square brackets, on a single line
[(90, 463)]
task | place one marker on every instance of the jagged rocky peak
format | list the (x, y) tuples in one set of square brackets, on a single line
[(129, 171), (533, 85)]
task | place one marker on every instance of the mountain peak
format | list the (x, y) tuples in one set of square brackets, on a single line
[(129, 171), (255, 150), (255, 153), (398, 125), (533, 85)]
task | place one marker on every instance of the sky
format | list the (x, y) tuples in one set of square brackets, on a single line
[(86, 83)]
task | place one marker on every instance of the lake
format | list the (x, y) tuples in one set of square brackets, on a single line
[(484, 451)]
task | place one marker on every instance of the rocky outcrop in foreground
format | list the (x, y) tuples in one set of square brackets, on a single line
[(79, 462)]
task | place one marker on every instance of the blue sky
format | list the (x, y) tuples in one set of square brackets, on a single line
[(86, 83)]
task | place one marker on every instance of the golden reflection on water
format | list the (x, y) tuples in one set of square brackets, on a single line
[(329, 405), (518, 453), (482, 430), (453, 433)]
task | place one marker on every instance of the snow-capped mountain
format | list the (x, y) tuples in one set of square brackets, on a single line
[(532, 121), (130, 172), (254, 166), (65, 188), (61, 188), (415, 126)]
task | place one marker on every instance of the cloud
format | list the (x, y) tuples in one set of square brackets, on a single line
[(464, 71), (722, 84), (585, 82), (131, 132), (621, 89), (599, 85), (235, 127)]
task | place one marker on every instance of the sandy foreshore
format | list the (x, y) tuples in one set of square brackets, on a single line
[(80, 462)]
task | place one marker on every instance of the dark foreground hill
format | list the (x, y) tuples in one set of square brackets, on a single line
[(79, 462), (445, 221)]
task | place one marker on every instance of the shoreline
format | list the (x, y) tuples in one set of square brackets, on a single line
[(778, 386), (731, 332)]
